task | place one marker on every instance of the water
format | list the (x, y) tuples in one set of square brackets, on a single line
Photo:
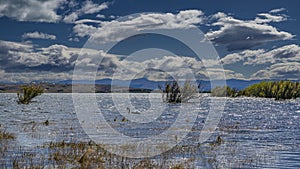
[(256, 133)]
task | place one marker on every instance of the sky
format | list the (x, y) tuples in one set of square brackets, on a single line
[(45, 40)]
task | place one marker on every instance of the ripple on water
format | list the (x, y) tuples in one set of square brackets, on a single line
[(251, 127)]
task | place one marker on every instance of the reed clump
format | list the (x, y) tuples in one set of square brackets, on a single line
[(28, 92), (175, 93), (4, 135)]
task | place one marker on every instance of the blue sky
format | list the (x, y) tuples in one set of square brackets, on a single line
[(41, 39)]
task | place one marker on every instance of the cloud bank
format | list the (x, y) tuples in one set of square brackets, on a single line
[(116, 30), (26, 59), (47, 10), (31, 10), (238, 34), (282, 62)]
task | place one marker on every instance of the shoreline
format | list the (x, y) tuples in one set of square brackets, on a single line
[(67, 88)]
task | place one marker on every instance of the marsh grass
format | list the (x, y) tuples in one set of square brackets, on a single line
[(81, 154), (4, 135), (87, 154)]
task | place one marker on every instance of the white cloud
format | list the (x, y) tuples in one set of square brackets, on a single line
[(31, 10), (288, 53), (46, 10), (154, 69), (74, 39), (282, 62), (238, 34), (277, 10), (115, 30), (218, 73), (112, 17), (100, 16), (87, 21), (17, 57), (38, 35), (266, 18), (20, 58), (58, 59), (72, 17), (82, 30), (33, 76), (283, 54), (290, 70), (88, 7), (242, 56), (14, 46)]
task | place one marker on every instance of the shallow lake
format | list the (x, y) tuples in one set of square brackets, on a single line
[(254, 132)]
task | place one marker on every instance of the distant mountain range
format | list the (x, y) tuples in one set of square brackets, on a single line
[(144, 83), (135, 85)]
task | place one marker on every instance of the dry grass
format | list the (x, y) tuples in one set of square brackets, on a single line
[(4, 135), (87, 154)]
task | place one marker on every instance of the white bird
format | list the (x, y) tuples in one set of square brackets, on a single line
[(134, 112)]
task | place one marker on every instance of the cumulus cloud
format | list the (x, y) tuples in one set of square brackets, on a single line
[(154, 69), (290, 70), (83, 30), (17, 57), (55, 61), (72, 17), (238, 34), (217, 74), (282, 62), (235, 34), (46, 10), (88, 7), (31, 10), (109, 31), (27, 60), (38, 35), (283, 54), (242, 56)]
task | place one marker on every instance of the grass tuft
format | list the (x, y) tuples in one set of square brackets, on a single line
[(174, 93), (28, 92), (4, 135)]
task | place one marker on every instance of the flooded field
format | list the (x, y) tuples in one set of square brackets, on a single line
[(252, 133)]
